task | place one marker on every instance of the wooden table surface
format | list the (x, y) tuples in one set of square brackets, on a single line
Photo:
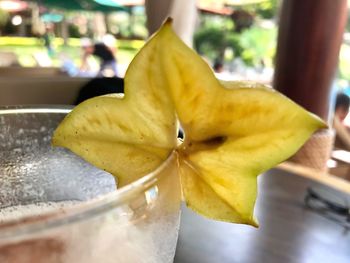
[(288, 232)]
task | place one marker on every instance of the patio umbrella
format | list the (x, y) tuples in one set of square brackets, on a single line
[(82, 5)]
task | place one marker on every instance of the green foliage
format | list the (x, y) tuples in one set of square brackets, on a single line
[(254, 45), (73, 31), (267, 9), (258, 46), (128, 26), (210, 41), (26, 47), (73, 42), (4, 16), (233, 41)]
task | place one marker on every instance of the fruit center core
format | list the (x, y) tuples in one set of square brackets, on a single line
[(188, 147)]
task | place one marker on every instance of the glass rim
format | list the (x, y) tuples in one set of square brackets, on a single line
[(81, 211)]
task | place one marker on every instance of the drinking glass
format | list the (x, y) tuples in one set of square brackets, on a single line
[(57, 208)]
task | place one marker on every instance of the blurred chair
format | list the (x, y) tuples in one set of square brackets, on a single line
[(37, 85)]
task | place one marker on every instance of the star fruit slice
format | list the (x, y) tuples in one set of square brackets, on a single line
[(233, 130)]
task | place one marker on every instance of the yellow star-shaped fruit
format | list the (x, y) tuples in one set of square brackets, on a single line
[(233, 130)]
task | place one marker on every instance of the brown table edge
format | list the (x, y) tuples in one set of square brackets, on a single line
[(316, 175)]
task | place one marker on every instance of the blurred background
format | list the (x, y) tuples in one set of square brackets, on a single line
[(240, 35), (60, 52)]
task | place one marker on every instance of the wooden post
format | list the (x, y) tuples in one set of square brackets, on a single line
[(64, 31), (309, 39)]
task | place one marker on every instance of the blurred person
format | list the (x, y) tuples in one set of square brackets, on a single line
[(103, 52), (48, 38), (111, 42), (342, 104), (220, 72), (218, 66)]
